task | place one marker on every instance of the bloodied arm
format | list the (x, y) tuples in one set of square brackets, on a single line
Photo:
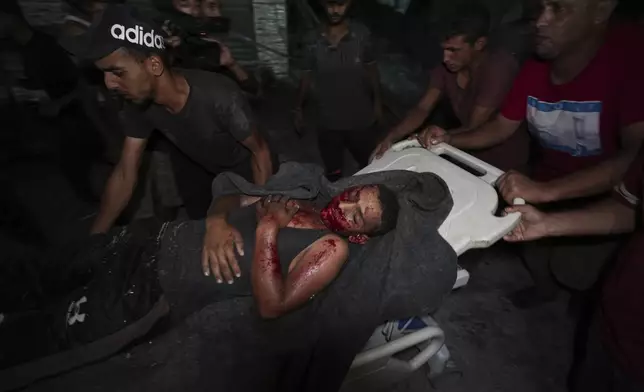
[(309, 272)]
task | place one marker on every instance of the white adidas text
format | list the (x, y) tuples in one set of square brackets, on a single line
[(136, 36)]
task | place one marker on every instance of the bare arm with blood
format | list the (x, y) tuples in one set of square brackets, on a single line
[(309, 272)]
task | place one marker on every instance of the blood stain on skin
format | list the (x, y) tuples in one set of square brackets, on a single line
[(298, 220), (271, 262), (333, 217)]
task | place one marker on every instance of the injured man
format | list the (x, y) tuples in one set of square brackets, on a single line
[(90, 303)]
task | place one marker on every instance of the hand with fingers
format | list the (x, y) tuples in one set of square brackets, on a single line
[(172, 40), (298, 120), (533, 224), (432, 136), (513, 184), (218, 258), (226, 58), (277, 211), (381, 148)]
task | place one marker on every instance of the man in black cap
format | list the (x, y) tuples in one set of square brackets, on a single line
[(340, 61), (205, 115)]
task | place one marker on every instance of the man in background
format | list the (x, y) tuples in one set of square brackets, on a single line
[(203, 114), (583, 102), (340, 61), (475, 81)]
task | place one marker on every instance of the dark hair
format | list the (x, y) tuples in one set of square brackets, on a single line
[(472, 22), (142, 55), (390, 208)]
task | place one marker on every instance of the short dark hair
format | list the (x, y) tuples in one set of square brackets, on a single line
[(472, 22), (390, 208), (142, 55)]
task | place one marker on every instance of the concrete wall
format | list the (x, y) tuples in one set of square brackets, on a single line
[(271, 30)]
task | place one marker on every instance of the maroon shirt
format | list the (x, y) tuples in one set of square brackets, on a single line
[(488, 87), (578, 124), (622, 303)]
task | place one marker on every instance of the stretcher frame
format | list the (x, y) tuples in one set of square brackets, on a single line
[(472, 223)]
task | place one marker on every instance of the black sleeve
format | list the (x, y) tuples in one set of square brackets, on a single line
[(234, 112), (367, 46), (135, 124)]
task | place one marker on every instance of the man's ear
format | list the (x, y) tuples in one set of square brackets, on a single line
[(154, 65), (480, 44), (604, 9), (359, 239)]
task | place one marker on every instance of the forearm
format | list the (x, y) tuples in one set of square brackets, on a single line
[(262, 164), (487, 135), (412, 121), (220, 207), (603, 218), (479, 116), (590, 182), (115, 198), (374, 78), (247, 82), (266, 273), (303, 91)]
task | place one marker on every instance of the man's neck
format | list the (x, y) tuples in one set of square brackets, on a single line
[(568, 66), (172, 92), (338, 29), (471, 68)]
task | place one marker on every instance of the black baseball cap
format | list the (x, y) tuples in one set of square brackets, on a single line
[(119, 26), (338, 2)]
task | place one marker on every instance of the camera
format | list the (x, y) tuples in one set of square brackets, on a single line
[(194, 51)]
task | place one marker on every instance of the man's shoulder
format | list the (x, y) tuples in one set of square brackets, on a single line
[(198, 77), (209, 83), (534, 68), (501, 58), (359, 29)]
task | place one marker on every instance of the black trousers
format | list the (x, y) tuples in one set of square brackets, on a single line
[(332, 143)]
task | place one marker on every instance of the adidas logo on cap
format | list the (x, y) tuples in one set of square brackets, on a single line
[(136, 36)]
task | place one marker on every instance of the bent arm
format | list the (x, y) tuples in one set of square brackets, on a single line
[(374, 79), (602, 177), (606, 217), (417, 115), (479, 116), (310, 272), (247, 82), (261, 161), (120, 185), (487, 135), (220, 207), (303, 90)]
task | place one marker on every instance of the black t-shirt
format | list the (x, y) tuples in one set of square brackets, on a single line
[(209, 129)]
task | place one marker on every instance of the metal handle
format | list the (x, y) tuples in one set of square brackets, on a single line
[(491, 176), (435, 335)]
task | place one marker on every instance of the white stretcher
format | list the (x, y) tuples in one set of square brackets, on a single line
[(471, 224)]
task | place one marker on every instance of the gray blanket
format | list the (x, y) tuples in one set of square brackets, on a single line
[(410, 257), (227, 347), (404, 273)]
